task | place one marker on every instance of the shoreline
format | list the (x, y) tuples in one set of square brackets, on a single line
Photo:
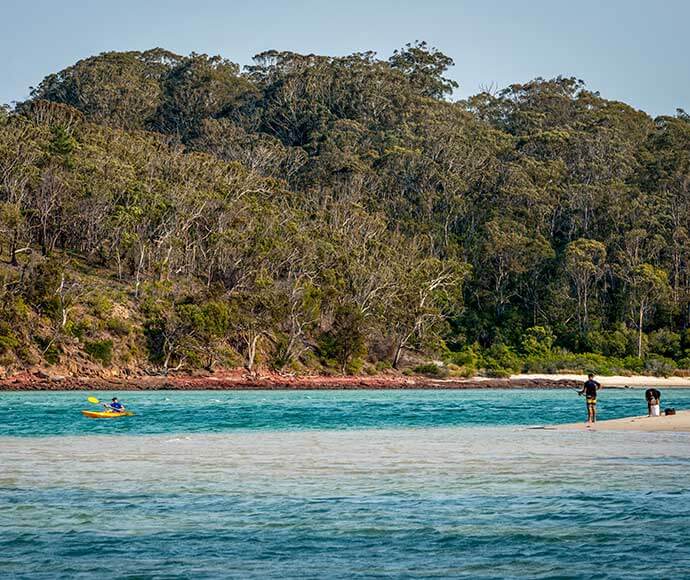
[(239, 380)]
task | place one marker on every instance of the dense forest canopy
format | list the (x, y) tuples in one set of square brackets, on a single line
[(313, 212)]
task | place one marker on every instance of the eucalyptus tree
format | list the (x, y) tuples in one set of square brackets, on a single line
[(123, 89), (585, 262), (648, 287)]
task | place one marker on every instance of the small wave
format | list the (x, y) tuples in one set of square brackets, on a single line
[(177, 439)]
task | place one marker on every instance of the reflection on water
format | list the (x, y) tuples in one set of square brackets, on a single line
[(415, 503)]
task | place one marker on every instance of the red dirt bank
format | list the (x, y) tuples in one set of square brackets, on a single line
[(238, 380)]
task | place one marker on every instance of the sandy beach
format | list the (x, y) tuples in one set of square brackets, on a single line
[(679, 422), (613, 381)]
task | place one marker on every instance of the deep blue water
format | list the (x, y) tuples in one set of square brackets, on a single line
[(355, 484), (57, 413)]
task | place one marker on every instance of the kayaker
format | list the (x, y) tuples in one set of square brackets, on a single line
[(115, 406)]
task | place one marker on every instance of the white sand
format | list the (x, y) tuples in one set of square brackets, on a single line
[(678, 422), (617, 381)]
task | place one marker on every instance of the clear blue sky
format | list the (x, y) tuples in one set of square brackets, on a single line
[(631, 50)]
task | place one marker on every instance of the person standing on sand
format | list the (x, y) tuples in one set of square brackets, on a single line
[(589, 390), (653, 397)]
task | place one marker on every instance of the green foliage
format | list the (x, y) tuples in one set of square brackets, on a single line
[(344, 344), (665, 342), (537, 341), (118, 326), (659, 365), (424, 67), (468, 360), (8, 339), (684, 363), (62, 144), (101, 305), (50, 349), (614, 343), (500, 360), (633, 364), (316, 209), (431, 370), (78, 329), (469, 356), (42, 280), (100, 350)]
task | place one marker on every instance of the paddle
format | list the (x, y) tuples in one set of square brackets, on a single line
[(93, 400)]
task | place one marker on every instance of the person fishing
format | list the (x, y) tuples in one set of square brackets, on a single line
[(589, 390), (115, 406), (653, 397)]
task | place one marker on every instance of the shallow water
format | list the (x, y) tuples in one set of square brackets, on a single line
[(57, 413), (332, 497)]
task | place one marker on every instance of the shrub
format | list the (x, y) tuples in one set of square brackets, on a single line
[(454, 370), (561, 360), (467, 357), (78, 329), (8, 340), (613, 343), (280, 356), (659, 365), (354, 366), (383, 365), (684, 363), (369, 369), (42, 281), (431, 370), (537, 341), (345, 342), (498, 373), (501, 360), (633, 363), (100, 350), (49, 349), (118, 326), (101, 305), (665, 342)]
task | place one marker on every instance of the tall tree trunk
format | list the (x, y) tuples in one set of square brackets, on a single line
[(639, 335), (252, 340), (396, 356)]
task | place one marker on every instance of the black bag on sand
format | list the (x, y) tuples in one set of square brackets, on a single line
[(669, 411)]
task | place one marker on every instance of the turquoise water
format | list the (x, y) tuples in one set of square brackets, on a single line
[(413, 484), (57, 413)]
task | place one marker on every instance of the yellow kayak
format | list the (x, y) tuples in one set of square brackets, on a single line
[(106, 414)]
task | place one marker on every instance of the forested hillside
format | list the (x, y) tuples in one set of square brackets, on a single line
[(320, 214)]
